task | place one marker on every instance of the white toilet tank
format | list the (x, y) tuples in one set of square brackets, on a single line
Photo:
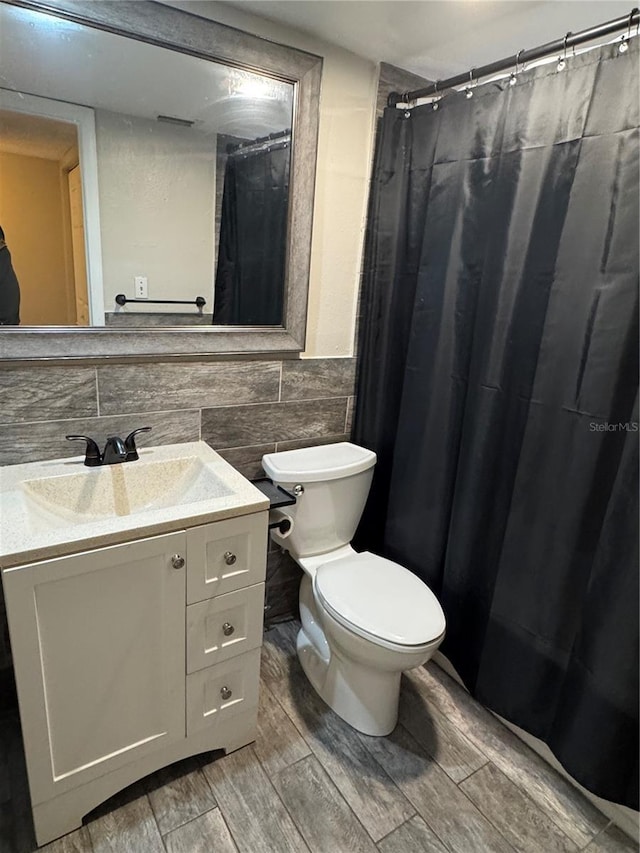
[(336, 479)]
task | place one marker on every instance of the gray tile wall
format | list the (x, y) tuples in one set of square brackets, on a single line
[(241, 408)]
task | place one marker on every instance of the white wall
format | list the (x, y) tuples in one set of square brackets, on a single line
[(157, 206), (347, 116)]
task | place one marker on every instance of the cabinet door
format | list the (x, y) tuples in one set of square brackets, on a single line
[(99, 648), (226, 555)]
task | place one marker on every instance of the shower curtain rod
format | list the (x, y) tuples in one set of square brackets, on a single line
[(232, 147), (562, 44)]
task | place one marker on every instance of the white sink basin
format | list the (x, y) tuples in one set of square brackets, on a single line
[(59, 506), (133, 487)]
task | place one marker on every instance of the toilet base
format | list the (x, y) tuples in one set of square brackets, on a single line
[(358, 679), (366, 699)]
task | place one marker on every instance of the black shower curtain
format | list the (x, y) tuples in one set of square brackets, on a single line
[(498, 385), (249, 286)]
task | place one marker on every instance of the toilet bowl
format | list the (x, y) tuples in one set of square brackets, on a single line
[(365, 619)]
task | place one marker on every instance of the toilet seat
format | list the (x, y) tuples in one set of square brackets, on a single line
[(379, 600)]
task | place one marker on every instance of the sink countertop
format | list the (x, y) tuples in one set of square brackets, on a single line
[(30, 532)]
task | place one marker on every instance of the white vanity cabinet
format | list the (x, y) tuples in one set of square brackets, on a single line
[(132, 656)]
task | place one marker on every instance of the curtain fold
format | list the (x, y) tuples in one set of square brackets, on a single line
[(499, 367)]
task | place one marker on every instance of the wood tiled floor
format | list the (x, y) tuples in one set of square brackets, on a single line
[(450, 778)]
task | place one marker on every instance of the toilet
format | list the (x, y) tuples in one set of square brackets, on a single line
[(365, 619)]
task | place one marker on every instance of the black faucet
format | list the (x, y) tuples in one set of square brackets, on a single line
[(116, 450), (130, 444)]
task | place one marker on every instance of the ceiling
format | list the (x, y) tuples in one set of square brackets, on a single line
[(32, 136), (53, 58), (437, 38), (434, 38)]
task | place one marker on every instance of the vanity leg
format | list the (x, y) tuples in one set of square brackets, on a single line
[(54, 819), (245, 734)]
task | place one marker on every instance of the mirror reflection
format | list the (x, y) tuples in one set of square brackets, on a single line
[(139, 186)]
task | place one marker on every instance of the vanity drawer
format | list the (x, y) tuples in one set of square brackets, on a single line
[(223, 690), (225, 626), (226, 555)]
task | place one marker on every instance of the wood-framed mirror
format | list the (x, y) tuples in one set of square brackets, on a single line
[(184, 152)]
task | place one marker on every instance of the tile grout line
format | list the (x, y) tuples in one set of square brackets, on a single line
[(597, 835), (224, 821), (219, 805), (95, 371), (153, 811), (551, 814), (404, 823), (438, 836), (280, 383), (231, 832), (200, 409), (117, 415), (436, 714), (162, 841), (279, 402), (87, 836), (313, 754), (191, 819), (535, 807), (284, 805), (490, 821), (473, 772), (335, 787)]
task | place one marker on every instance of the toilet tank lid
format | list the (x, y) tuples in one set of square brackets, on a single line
[(314, 464)]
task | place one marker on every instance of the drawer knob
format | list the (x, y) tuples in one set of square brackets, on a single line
[(229, 558), (225, 693), (228, 629), (177, 561)]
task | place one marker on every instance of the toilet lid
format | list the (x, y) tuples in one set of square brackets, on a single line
[(380, 598)]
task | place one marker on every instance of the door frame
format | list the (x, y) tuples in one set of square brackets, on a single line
[(84, 120)]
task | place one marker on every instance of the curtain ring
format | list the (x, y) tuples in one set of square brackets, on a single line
[(624, 46), (514, 73), (562, 60), (468, 92)]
